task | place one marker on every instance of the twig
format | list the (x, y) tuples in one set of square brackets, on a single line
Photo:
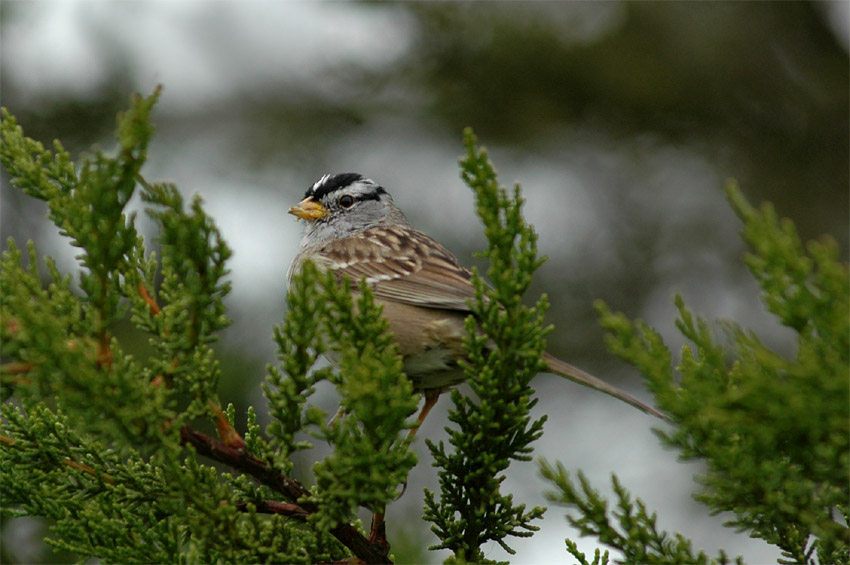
[(242, 460), (16, 368), (226, 432), (378, 536), (105, 477), (143, 292), (276, 507)]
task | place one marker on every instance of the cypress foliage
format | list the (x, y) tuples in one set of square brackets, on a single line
[(108, 447), (495, 427), (774, 432), (114, 452)]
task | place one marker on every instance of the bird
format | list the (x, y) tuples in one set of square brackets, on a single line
[(353, 228)]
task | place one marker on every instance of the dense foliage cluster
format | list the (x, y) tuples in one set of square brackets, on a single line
[(111, 447), (116, 448), (105, 444), (472, 510), (773, 431)]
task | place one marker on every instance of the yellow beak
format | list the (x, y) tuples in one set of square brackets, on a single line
[(308, 209)]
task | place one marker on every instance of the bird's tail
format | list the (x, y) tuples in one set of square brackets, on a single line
[(578, 376)]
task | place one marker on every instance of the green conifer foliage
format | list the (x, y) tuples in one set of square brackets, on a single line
[(774, 432), (114, 450), (505, 341), (106, 446)]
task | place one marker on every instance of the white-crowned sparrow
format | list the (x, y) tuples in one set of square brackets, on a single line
[(354, 229)]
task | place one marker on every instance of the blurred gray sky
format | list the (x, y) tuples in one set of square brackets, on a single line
[(620, 120)]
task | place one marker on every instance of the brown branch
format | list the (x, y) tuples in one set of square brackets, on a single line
[(289, 509), (292, 490), (17, 368), (143, 292), (106, 477), (9, 373), (226, 433), (378, 536), (244, 461), (104, 351)]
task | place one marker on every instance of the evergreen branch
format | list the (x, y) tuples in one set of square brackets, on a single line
[(635, 532), (87, 205), (772, 430), (194, 257), (126, 509), (243, 461), (371, 456), (505, 341), (288, 509), (70, 463), (300, 343), (139, 502), (37, 171), (92, 438), (47, 331)]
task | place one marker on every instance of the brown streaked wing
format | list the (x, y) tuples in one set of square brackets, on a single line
[(404, 265)]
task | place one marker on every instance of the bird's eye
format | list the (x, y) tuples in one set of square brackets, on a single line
[(346, 201)]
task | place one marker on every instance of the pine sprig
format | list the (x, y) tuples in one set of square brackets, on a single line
[(633, 529), (91, 437), (105, 235), (129, 509), (37, 171), (301, 342), (57, 355), (82, 486), (188, 310), (193, 257), (80, 404), (371, 458), (103, 443), (772, 430), (505, 343)]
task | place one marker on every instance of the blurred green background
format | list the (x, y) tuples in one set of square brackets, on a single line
[(621, 120)]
